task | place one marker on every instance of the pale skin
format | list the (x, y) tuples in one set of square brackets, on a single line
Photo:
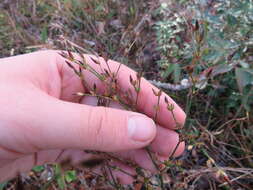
[(41, 121)]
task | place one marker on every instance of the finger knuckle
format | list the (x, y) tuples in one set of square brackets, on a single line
[(97, 123)]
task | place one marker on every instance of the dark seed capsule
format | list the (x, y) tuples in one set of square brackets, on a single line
[(154, 92), (139, 75), (69, 64), (196, 25), (131, 79), (189, 69), (63, 54), (209, 72), (166, 100), (159, 93), (96, 61), (70, 55), (94, 87), (106, 72)]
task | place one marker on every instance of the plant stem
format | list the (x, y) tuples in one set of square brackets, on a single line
[(157, 108)]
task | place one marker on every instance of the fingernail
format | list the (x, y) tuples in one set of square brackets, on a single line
[(141, 128)]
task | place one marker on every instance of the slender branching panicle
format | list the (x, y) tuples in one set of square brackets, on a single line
[(127, 100)]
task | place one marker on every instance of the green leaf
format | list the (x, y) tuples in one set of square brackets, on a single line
[(214, 56), (231, 20), (2, 185), (177, 73), (247, 98), (61, 182), (43, 34), (59, 177), (221, 68), (57, 169), (244, 77), (168, 71), (70, 176), (38, 168)]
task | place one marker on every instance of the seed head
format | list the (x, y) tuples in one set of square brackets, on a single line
[(170, 107), (166, 100), (71, 56)]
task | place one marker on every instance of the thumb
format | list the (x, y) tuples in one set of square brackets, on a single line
[(63, 125)]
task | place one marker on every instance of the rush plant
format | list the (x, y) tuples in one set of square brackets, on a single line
[(129, 101)]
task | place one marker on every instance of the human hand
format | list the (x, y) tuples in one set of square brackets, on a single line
[(41, 121)]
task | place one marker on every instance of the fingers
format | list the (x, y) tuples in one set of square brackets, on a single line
[(12, 168), (140, 157), (164, 145), (80, 159), (19, 165), (64, 125), (53, 76), (83, 160), (167, 143), (146, 101), (124, 175)]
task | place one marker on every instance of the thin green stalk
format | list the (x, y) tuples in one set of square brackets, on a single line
[(121, 170), (138, 91), (157, 108), (147, 148), (175, 149), (156, 166), (188, 103), (117, 186)]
